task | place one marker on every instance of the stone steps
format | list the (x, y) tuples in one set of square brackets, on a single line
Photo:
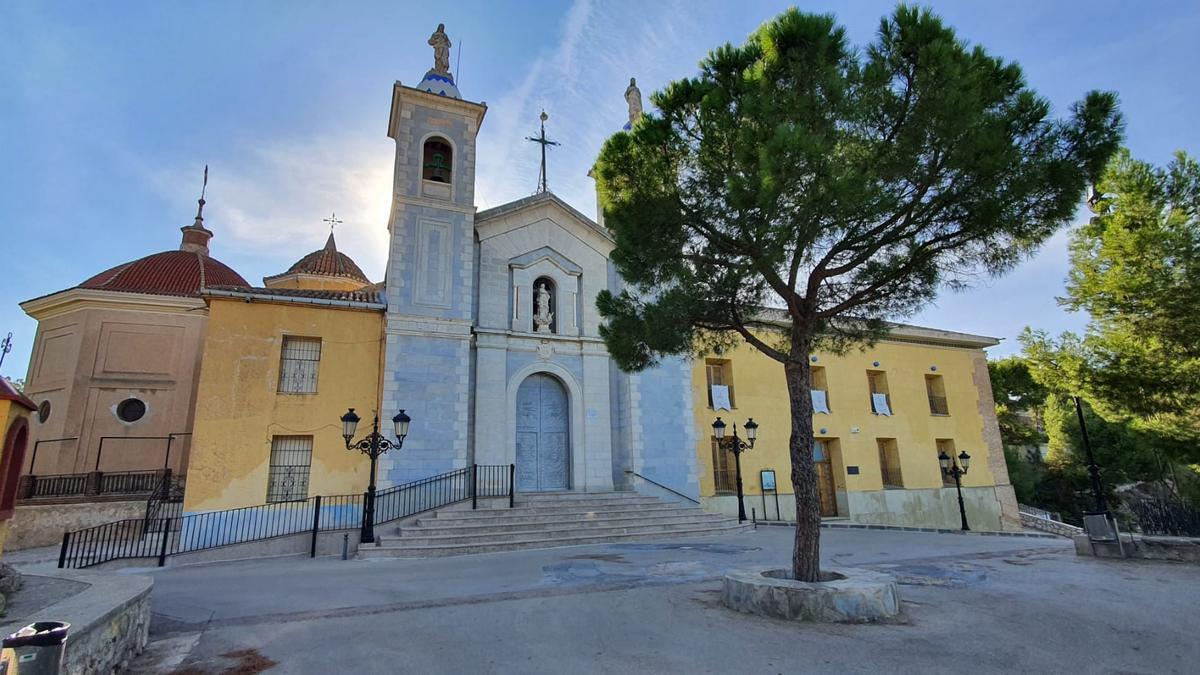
[(419, 537), (391, 548), (433, 526), (549, 520), (519, 514)]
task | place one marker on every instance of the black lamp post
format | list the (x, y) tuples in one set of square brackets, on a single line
[(373, 445), (737, 446), (958, 469)]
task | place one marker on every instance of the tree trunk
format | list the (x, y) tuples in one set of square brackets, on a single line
[(806, 555)]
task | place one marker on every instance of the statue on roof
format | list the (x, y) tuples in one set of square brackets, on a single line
[(633, 96), (441, 50)]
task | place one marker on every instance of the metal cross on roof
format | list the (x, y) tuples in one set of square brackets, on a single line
[(543, 141), (332, 220)]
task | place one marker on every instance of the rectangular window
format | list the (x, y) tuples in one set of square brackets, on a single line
[(881, 403), (291, 457), (720, 384), (298, 362), (724, 478), (889, 463), (936, 389), (820, 391), (945, 445)]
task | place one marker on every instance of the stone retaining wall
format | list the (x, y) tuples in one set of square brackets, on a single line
[(1051, 526), (110, 621), (37, 525), (1175, 549)]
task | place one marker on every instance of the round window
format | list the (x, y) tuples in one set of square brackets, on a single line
[(131, 410), (43, 411)]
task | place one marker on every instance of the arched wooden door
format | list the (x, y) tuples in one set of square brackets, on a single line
[(543, 435)]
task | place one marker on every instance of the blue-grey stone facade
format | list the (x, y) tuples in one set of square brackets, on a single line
[(478, 302)]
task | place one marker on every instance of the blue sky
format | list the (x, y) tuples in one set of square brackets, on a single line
[(109, 112)]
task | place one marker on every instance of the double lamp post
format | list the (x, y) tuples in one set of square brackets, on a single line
[(737, 446), (372, 445)]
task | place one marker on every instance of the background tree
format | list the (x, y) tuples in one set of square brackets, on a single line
[(1019, 402), (1134, 270), (842, 186)]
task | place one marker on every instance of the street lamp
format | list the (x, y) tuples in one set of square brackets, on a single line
[(958, 469), (737, 446), (372, 445)]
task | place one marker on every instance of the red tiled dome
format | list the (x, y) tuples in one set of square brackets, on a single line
[(168, 273), (328, 262)]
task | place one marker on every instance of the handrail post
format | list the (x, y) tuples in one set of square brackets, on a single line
[(62, 553), (316, 526), (474, 490), (162, 553), (512, 483)]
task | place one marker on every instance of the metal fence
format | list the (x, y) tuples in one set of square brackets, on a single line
[(1166, 517), (129, 482), (163, 537), (92, 484), (61, 485)]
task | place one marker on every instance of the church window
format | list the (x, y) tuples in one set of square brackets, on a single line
[(43, 412), (436, 161), (291, 457), (298, 363), (545, 309)]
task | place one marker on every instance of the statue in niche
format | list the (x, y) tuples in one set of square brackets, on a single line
[(441, 50), (633, 96), (542, 316)]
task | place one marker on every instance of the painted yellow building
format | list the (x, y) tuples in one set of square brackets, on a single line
[(14, 433), (281, 365), (889, 410)]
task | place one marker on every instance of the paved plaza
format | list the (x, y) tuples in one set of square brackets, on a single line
[(971, 603)]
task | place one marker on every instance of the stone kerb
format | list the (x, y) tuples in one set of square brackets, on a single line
[(848, 596)]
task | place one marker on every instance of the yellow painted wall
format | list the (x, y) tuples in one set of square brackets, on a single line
[(239, 409), (313, 282), (10, 412), (759, 391)]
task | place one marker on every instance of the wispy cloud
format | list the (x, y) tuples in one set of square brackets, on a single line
[(271, 203)]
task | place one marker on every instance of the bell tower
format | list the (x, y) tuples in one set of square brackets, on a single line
[(430, 271)]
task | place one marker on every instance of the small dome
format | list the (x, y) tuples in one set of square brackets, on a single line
[(182, 273), (442, 85), (328, 262)]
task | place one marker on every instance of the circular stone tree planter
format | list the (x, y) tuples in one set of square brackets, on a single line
[(847, 595)]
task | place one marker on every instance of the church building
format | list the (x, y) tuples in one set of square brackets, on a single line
[(485, 333)]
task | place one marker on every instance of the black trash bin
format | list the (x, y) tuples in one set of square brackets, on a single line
[(36, 649)]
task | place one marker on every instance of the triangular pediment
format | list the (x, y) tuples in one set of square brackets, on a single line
[(544, 205)]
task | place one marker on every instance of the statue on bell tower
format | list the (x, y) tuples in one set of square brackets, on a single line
[(441, 50)]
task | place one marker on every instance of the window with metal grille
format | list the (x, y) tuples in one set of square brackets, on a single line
[(291, 458), (881, 401), (724, 475), (720, 374), (298, 363), (945, 445), (936, 389), (889, 463)]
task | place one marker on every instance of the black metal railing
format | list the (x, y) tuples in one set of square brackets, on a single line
[(1166, 517), (91, 484), (155, 536), (61, 485), (129, 482), (938, 405)]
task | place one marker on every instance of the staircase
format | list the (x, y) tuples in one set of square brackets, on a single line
[(547, 520)]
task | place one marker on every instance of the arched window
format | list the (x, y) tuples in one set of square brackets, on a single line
[(437, 160), (545, 309)]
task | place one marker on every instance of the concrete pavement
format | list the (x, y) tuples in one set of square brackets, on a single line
[(987, 604)]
